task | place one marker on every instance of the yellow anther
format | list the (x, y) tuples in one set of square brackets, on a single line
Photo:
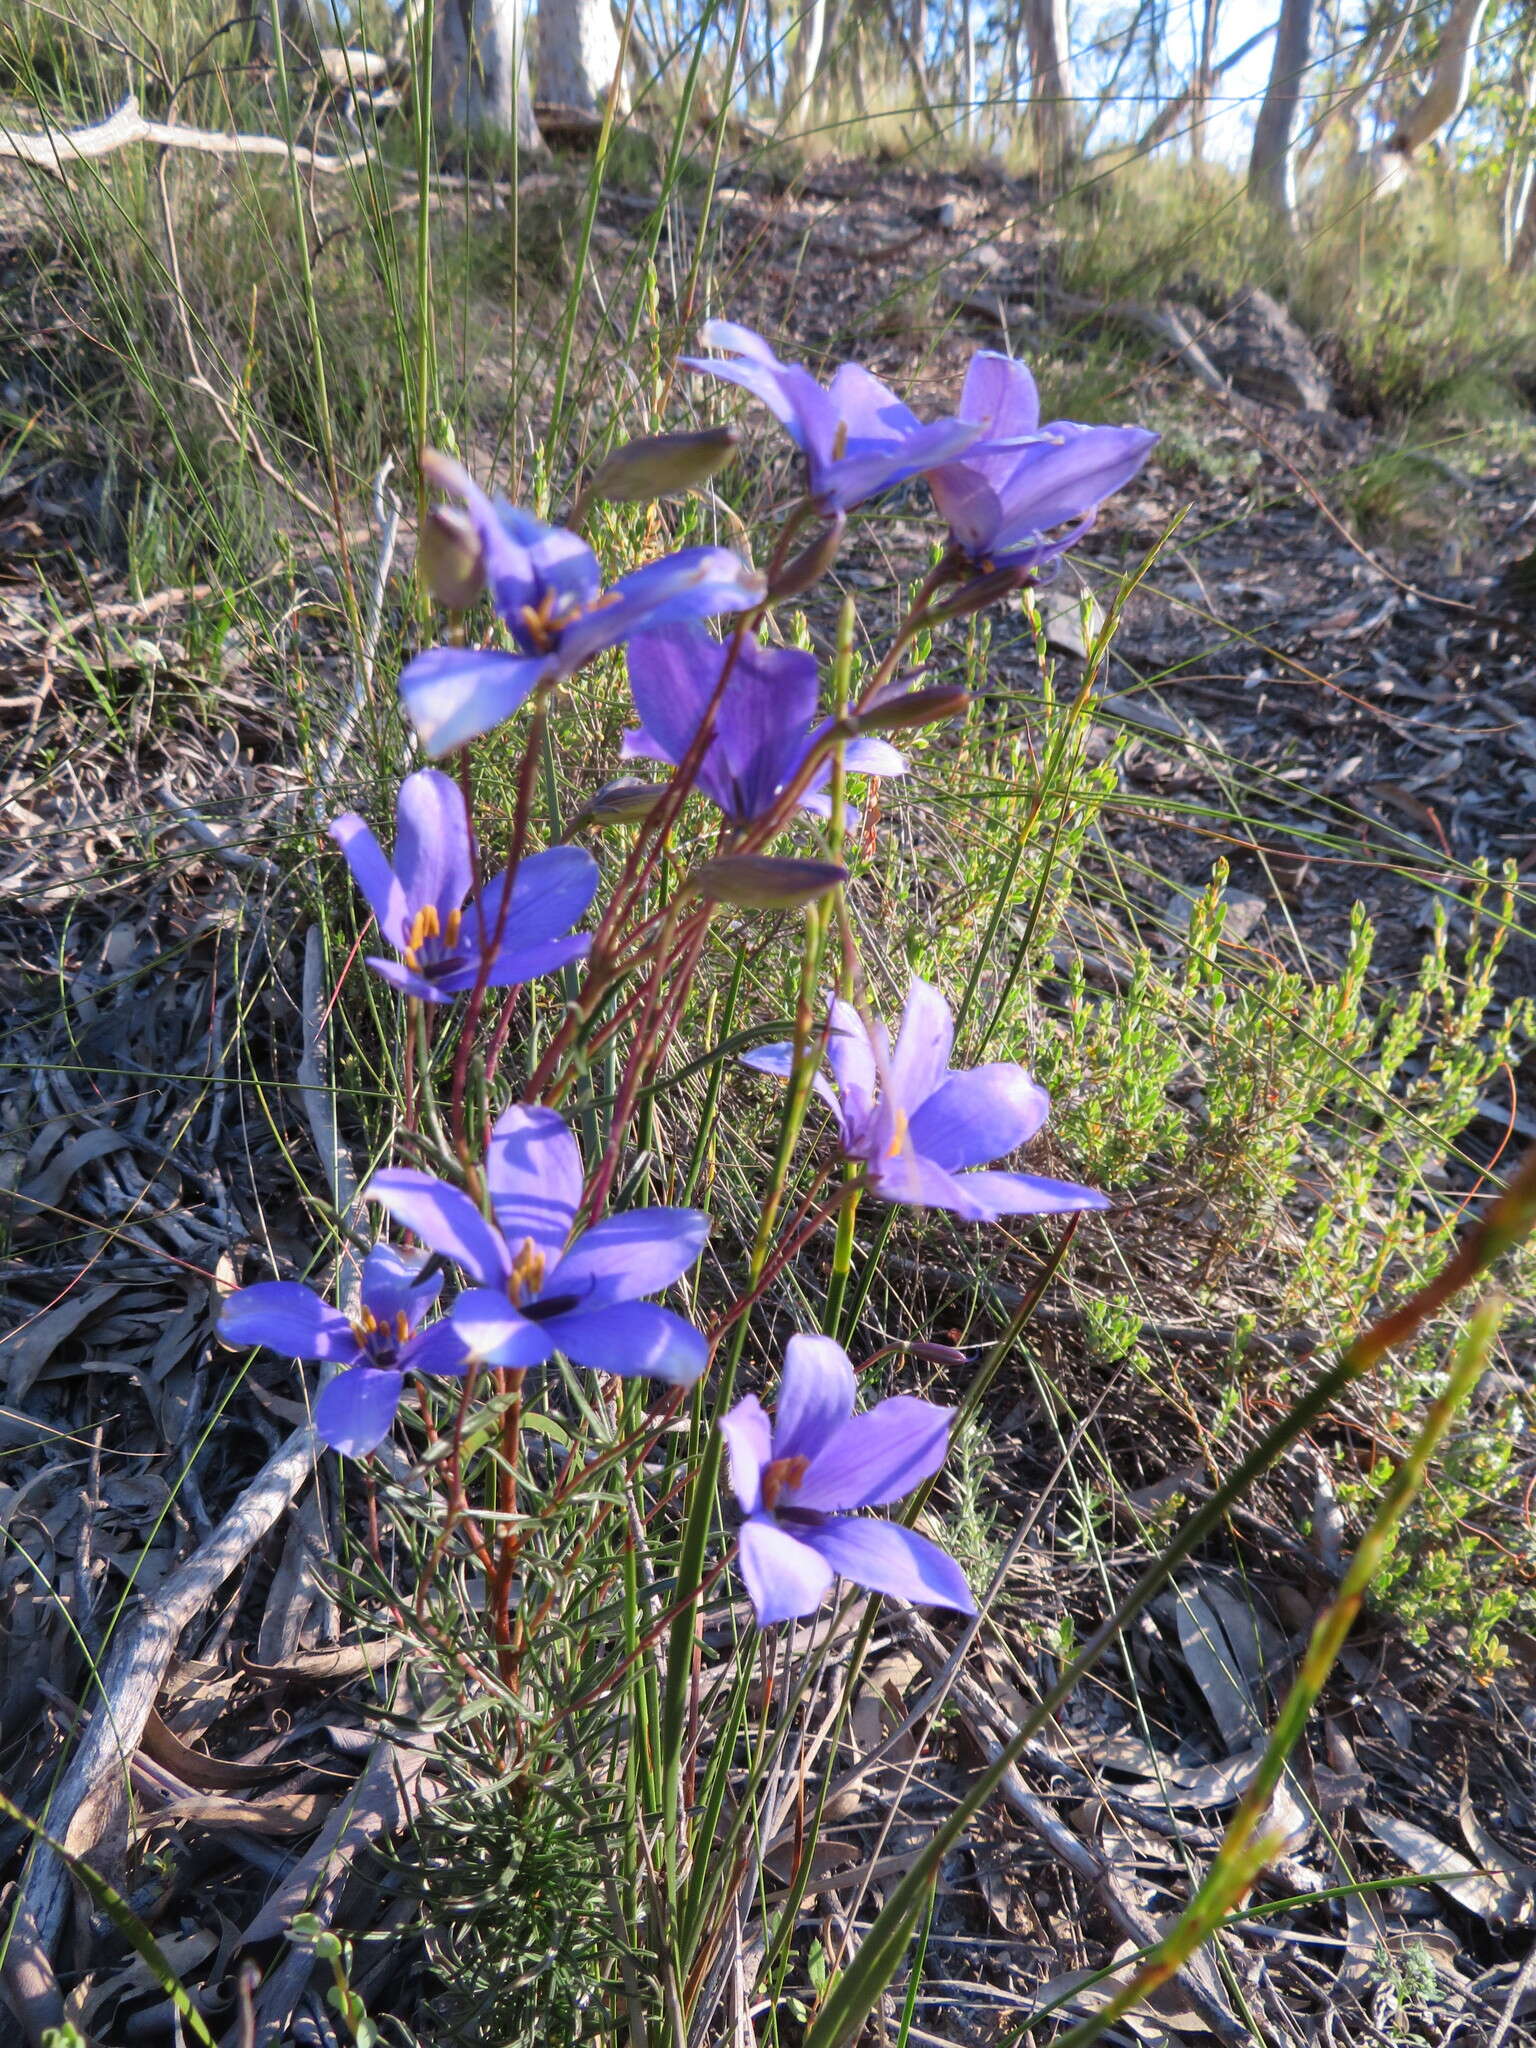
[(360, 1335), (840, 441), (783, 1475), (900, 1137), (370, 1321), (527, 1272), (451, 929), (402, 1326)]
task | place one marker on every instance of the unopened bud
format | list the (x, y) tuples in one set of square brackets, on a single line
[(810, 565), (657, 464), (765, 881), (625, 802), (913, 708), (982, 591), (937, 1354), (450, 559)]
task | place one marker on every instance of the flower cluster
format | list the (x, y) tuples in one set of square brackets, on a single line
[(539, 1264)]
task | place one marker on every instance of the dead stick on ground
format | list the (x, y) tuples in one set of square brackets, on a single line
[(57, 147), (92, 1789)]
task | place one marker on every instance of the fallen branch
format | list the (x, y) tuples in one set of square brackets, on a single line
[(56, 148), (90, 1797), (88, 1802)]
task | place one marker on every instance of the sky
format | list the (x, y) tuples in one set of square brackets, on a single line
[(1237, 94)]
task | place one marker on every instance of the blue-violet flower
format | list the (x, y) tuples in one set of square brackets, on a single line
[(355, 1409), (796, 1476), (418, 898), (857, 437), (1023, 481), (539, 1289), (919, 1129), (764, 724), (547, 588)]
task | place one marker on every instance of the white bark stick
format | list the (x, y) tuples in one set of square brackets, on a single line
[(93, 1788), (56, 148)]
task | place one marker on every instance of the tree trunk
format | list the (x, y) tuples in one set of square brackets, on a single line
[(1523, 245), (1272, 167), (1449, 82), (579, 54), (805, 64), (480, 71), (967, 72), (1205, 79), (1052, 106)]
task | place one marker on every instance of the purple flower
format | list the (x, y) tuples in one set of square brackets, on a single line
[(539, 1290), (545, 584), (856, 436), (356, 1408), (1023, 480), (764, 727), (796, 1475), (419, 900), (920, 1129)]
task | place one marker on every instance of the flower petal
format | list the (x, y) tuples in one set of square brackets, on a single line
[(443, 1217), (923, 1046), (851, 1056), (694, 583), (872, 756), (550, 892), (779, 1060), (1029, 1194), (563, 565), (763, 726), (439, 1348), (392, 1284), (432, 843), (373, 875), (533, 1173), (410, 983), (887, 1558), (355, 1410), (970, 505), (453, 694), (639, 1251), (979, 1115), (672, 676), (815, 1400), (919, 1183), (514, 965), (875, 1457), (289, 1318), (635, 1339), (1076, 470), (785, 1579), (749, 1447), (494, 1333), (1000, 396)]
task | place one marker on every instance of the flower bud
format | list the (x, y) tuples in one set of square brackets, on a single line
[(810, 565), (912, 708), (983, 590), (657, 464), (450, 559), (764, 881), (625, 802)]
